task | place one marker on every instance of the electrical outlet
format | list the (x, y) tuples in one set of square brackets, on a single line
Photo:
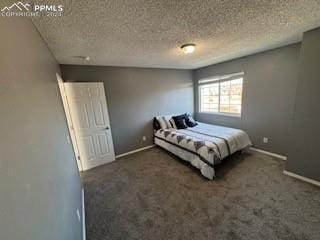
[(78, 214), (265, 140), (144, 138)]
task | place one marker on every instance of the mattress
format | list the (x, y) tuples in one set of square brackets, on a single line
[(209, 144)]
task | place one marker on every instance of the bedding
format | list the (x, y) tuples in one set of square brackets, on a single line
[(208, 144), (191, 122), (180, 121)]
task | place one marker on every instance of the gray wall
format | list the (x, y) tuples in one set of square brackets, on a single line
[(135, 96), (303, 157), (40, 188), (270, 80)]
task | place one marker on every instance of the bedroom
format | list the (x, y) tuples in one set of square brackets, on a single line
[(264, 54)]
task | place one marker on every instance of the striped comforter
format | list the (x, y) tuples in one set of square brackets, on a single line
[(211, 143)]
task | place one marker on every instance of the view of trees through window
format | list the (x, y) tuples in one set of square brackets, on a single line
[(221, 96)]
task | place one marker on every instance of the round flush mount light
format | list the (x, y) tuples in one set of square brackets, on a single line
[(188, 48)]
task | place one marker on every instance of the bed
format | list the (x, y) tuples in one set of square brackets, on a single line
[(204, 145)]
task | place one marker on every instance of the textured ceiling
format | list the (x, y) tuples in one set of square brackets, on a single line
[(149, 33)]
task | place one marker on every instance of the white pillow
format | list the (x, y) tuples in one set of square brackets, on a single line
[(173, 123), (164, 121), (191, 119)]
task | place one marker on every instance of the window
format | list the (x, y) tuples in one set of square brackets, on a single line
[(221, 94)]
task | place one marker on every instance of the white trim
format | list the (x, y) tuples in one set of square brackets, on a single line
[(269, 153), (223, 114), (221, 77), (134, 151), (314, 182), (69, 121), (83, 217)]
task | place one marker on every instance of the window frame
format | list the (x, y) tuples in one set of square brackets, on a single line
[(219, 79)]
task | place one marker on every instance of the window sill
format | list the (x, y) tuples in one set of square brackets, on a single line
[(222, 114)]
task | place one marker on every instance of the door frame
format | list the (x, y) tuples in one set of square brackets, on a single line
[(69, 121)]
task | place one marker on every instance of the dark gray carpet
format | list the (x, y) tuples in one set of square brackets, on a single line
[(154, 195)]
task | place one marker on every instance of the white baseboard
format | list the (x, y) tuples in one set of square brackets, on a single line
[(314, 182), (83, 217), (269, 153), (134, 151)]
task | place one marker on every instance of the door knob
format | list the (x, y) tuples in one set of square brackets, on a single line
[(107, 128)]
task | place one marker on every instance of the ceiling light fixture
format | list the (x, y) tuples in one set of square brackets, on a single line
[(188, 48)]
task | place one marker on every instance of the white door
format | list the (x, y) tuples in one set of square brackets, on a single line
[(90, 118)]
